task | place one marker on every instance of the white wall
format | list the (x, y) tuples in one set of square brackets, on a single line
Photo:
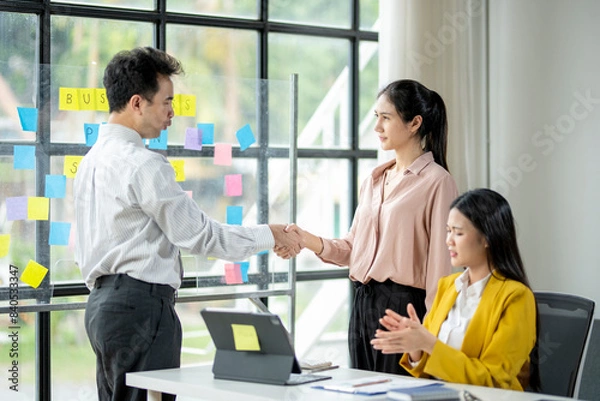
[(545, 135)]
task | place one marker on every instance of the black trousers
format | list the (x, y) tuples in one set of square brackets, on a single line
[(370, 302), (132, 326)]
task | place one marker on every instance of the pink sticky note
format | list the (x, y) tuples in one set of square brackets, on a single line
[(190, 194), (233, 273), (233, 185), (223, 154)]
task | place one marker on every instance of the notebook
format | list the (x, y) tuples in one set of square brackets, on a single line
[(253, 347), (434, 391)]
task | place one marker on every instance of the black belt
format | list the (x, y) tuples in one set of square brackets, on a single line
[(116, 280)]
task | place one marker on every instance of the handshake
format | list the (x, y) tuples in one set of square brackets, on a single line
[(291, 239)]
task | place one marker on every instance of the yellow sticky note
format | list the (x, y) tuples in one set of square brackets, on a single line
[(68, 99), (38, 208), (87, 99), (178, 166), (187, 105), (71, 165), (245, 337), (33, 274), (176, 104), (4, 244), (101, 100)]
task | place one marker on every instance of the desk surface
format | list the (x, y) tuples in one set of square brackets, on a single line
[(198, 381)]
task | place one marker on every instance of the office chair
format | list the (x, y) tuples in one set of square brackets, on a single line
[(589, 386), (564, 323)]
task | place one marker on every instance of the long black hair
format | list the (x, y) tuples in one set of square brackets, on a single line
[(490, 214), (412, 99)]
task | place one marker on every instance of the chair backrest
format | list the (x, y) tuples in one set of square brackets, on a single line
[(589, 385), (564, 324)]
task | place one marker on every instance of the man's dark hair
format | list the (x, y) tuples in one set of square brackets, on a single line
[(136, 72)]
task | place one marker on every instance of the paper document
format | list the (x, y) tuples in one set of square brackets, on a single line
[(371, 385)]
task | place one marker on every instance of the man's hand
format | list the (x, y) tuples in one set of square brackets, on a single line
[(287, 244)]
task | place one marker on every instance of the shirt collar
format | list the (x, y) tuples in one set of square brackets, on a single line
[(462, 283), (416, 167), (121, 132)]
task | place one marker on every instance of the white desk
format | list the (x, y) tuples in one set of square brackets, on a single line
[(198, 382)]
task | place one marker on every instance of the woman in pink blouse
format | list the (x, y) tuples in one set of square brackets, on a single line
[(395, 249)]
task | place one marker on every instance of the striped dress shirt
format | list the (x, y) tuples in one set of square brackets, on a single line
[(132, 217)]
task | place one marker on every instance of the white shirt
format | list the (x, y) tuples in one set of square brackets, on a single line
[(452, 331), (132, 216)]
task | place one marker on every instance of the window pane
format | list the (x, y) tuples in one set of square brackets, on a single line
[(135, 4), (369, 15), (312, 12), (222, 8), (18, 77), (323, 204), (81, 48), (368, 88), (323, 98)]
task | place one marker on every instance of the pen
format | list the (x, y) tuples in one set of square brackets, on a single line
[(373, 382)]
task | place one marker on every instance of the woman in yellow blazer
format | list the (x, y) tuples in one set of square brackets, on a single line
[(481, 328)]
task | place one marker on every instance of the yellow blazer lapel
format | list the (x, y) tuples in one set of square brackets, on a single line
[(443, 308)]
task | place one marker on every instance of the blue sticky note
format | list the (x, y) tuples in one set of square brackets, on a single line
[(266, 251), (160, 142), (16, 208), (207, 131), (59, 233), (234, 215), (28, 117), (55, 186), (91, 133), (24, 157), (244, 266), (245, 137)]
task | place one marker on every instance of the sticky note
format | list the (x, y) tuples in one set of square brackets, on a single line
[(33, 274), (193, 139), (59, 233), (91, 133), (233, 185), (71, 165), (55, 186), (24, 157), (234, 215), (244, 266), (4, 244), (178, 166), (176, 103), (233, 274), (245, 137), (207, 133), (16, 208), (29, 118), (38, 208), (68, 99), (87, 99), (187, 105), (245, 337), (101, 99), (160, 142), (266, 251), (190, 194), (222, 154)]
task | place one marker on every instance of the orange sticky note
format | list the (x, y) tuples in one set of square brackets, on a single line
[(71, 165), (68, 99), (233, 185), (222, 154), (187, 105), (245, 337), (101, 99), (38, 208), (178, 166), (33, 274), (4, 244)]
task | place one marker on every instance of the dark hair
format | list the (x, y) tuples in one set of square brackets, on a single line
[(412, 99), (491, 215), (136, 72)]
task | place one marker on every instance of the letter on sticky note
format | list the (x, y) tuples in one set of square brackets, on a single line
[(101, 100), (33, 274), (91, 133), (193, 139), (245, 137), (178, 166), (4, 244), (245, 337), (71, 165), (87, 99), (16, 208), (55, 186), (24, 157), (28, 117), (38, 208), (223, 154), (59, 233), (68, 99), (160, 142), (187, 105), (233, 274), (207, 133), (234, 215), (233, 185)]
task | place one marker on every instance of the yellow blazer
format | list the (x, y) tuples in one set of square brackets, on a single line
[(497, 342)]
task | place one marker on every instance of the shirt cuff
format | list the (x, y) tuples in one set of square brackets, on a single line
[(264, 238)]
